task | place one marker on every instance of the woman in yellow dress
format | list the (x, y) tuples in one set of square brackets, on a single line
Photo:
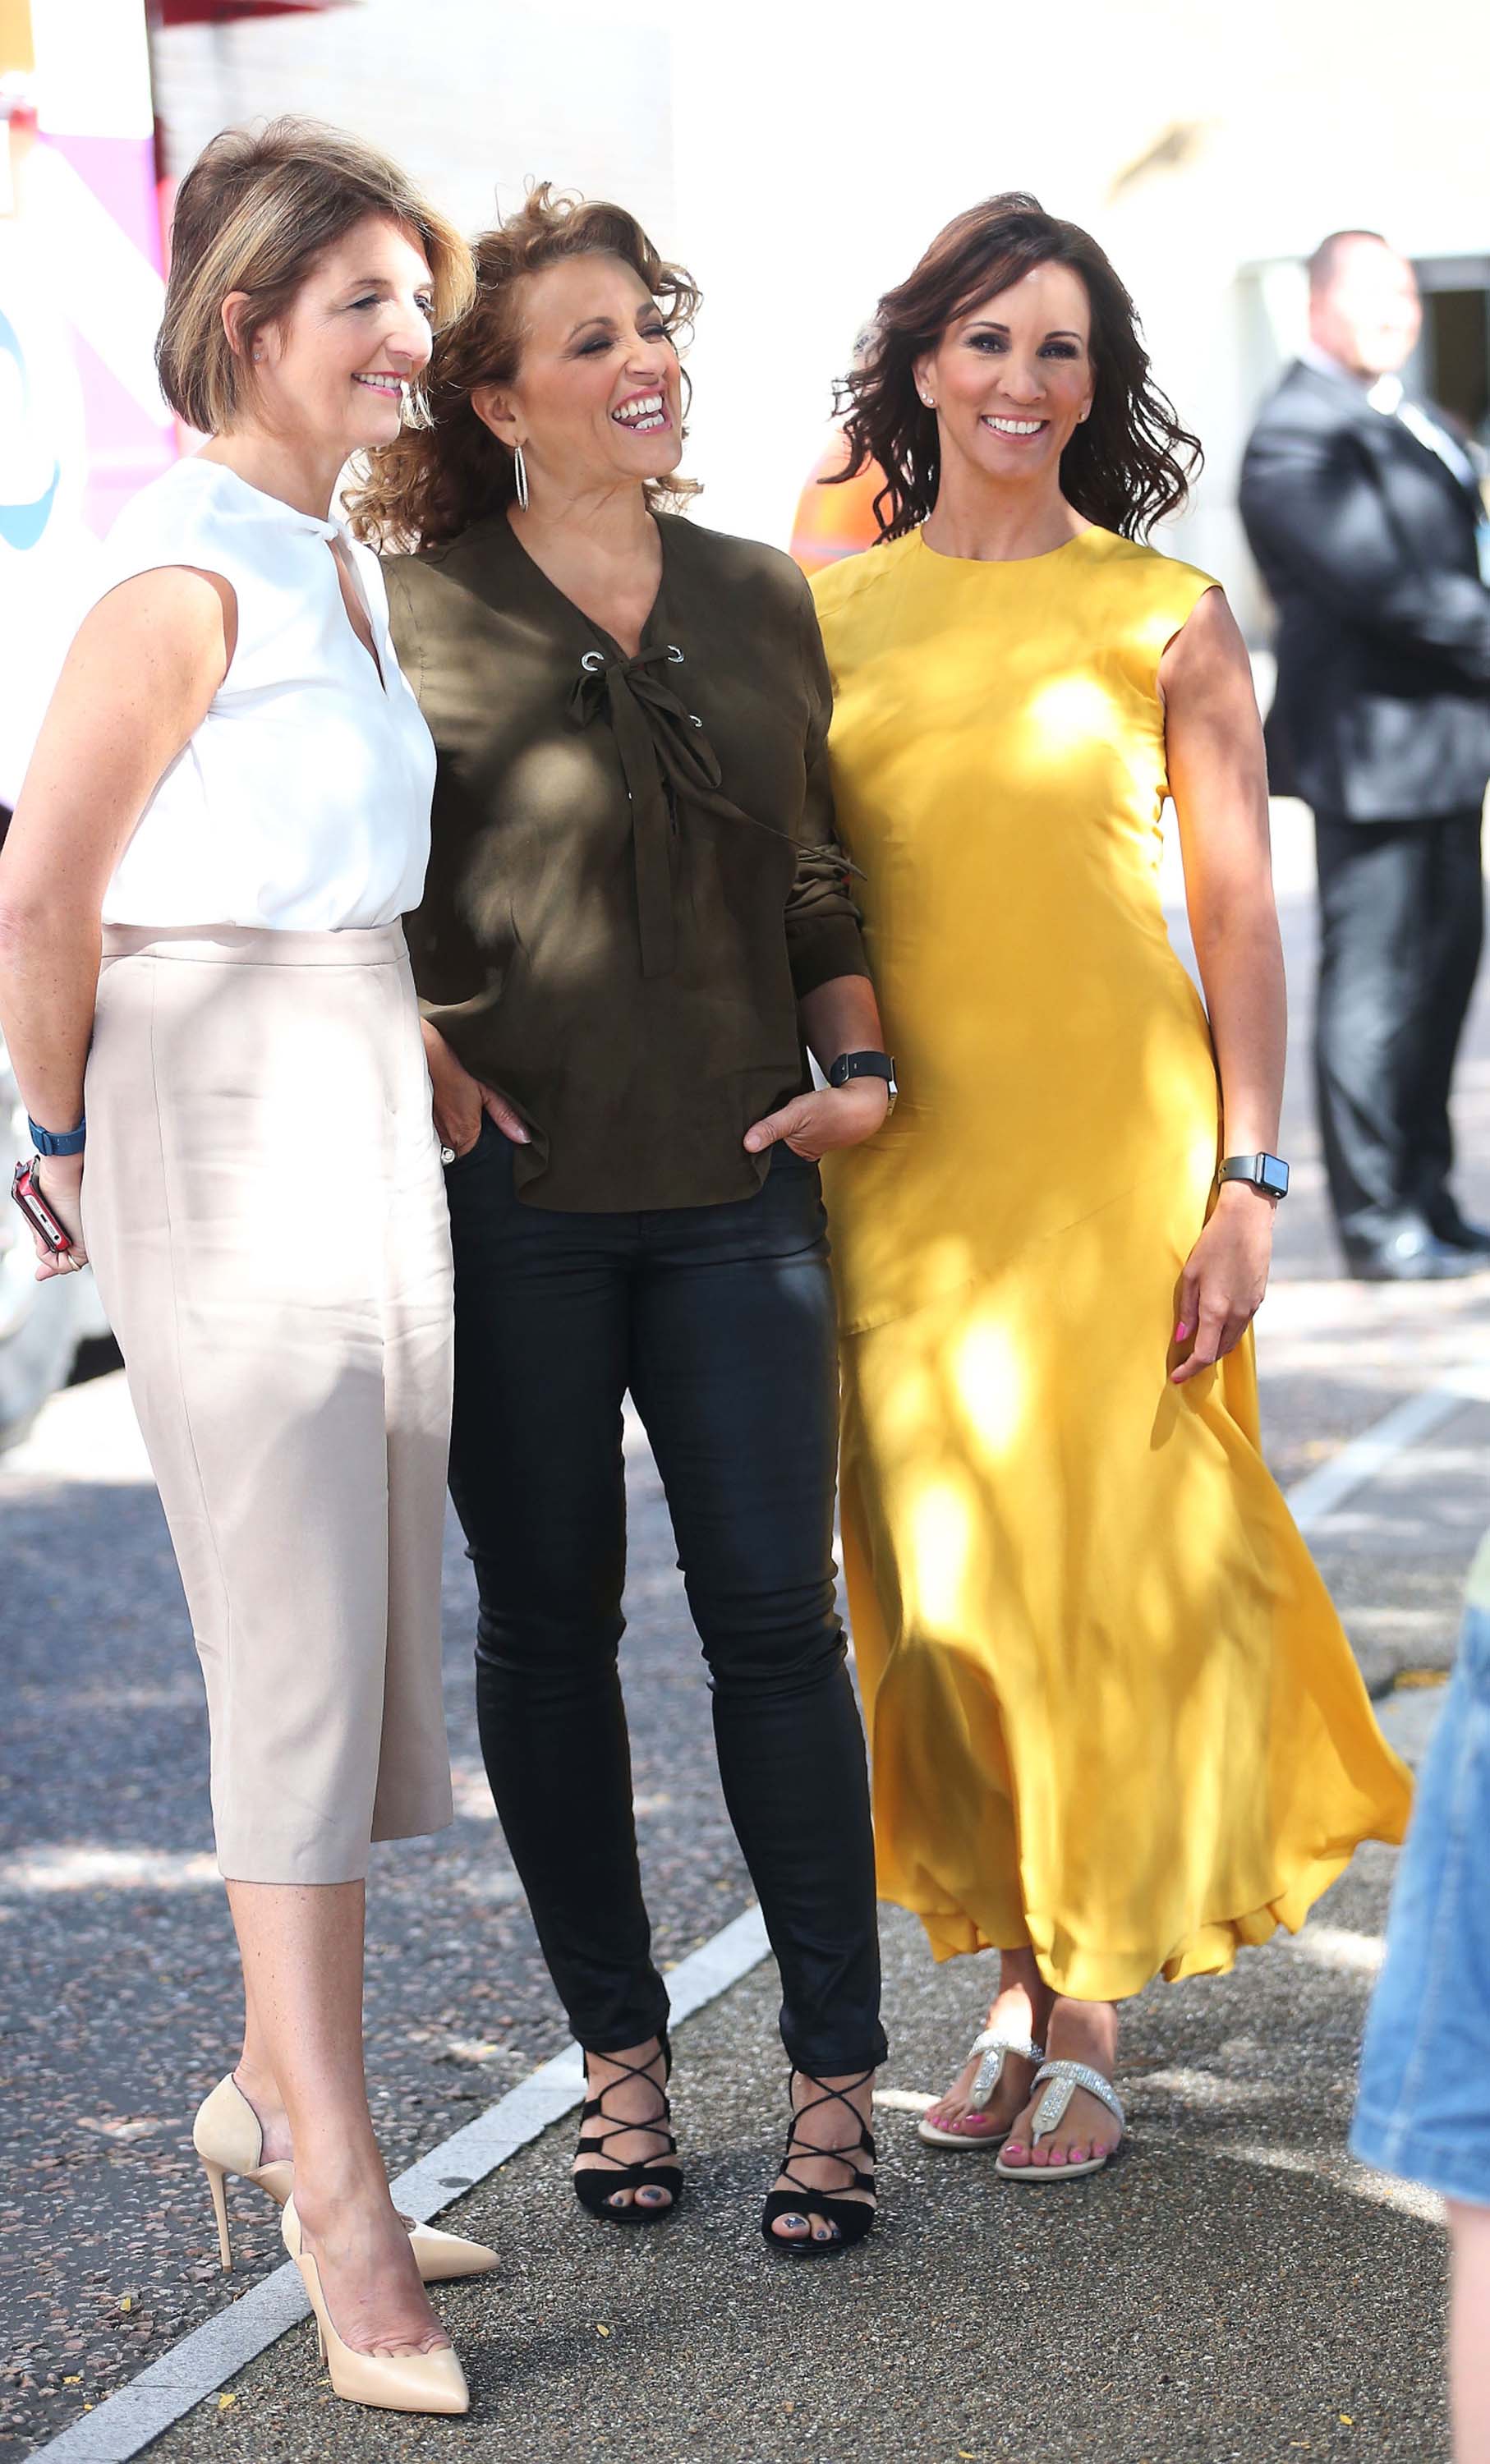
[(1117, 1728)]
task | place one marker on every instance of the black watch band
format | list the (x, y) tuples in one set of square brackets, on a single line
[(1266, 1172), (865, 1064)]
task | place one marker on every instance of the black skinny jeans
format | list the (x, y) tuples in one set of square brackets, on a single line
[(719, 1320)]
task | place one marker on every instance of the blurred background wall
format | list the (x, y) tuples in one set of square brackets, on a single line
[(799, 154)]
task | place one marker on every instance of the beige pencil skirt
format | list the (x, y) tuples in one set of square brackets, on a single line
[(263, 1205)]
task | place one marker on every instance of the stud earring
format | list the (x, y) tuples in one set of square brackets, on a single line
[(930, 403), (521, 470)]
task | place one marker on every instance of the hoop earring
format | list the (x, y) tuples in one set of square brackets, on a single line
[(521, 470)]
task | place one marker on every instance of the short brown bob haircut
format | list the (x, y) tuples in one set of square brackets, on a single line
[(1126, 467), (433, 482), (253, 213)]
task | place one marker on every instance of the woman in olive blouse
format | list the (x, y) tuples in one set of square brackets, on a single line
[(636, 917)]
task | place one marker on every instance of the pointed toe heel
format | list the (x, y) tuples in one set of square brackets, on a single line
[(443, 2257), (431, 2383), (228, 2139)]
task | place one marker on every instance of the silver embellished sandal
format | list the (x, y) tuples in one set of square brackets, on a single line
[(1064, 2077), (993, 2049)]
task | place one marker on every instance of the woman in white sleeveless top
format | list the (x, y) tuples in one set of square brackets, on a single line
[(226, 816)]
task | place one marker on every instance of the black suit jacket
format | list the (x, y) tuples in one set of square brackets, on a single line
[(1366, 543)]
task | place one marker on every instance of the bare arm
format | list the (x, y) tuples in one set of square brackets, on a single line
[(137, 682), (840, 1016), (1219, 779)]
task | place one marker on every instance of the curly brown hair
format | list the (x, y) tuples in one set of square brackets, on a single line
[(1127, 465), (433, 482)]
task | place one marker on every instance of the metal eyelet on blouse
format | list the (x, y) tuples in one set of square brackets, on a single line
[(674, 654), (695, 718), (593, 659)]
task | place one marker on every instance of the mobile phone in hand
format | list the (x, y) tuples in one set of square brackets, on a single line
[(53, 1235)]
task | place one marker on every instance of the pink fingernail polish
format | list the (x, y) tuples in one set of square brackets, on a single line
[(1180, 1331)]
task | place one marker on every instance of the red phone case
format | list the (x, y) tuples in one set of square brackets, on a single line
[(37, 1213)]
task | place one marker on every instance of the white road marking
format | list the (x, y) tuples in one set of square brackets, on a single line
[(1317, 1495), (214, 2352), (199, 2364)]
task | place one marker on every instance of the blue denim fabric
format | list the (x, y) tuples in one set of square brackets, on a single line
[(1424, 2104)]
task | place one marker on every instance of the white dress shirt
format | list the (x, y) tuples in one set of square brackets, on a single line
[(302, 801)]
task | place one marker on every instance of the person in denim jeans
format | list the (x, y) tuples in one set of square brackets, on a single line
[(1423, 2110)]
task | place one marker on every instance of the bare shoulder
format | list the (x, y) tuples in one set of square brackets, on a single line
[(1207, 654), (1207, 695), (173, 618)]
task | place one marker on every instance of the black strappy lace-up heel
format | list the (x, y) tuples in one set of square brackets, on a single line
[(597, 2185), (853, 2217)]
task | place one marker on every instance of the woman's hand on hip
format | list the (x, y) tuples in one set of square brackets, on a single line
[(460, 1100), (1225, 1277), (60, 1182), (832, 1116)]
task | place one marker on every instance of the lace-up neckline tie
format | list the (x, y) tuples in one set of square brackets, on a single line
[(667, 762)]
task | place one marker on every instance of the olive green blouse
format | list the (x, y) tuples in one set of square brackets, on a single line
[(634, 876)]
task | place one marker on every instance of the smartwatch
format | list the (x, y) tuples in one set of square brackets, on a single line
[(1266, 1172), (866, 1065), (57, 1143)]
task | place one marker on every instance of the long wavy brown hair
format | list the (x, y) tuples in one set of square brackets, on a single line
[(433, 482), (1126, 466)]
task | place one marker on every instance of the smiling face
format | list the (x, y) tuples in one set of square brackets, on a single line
[(597, 400), (333, 373), (1011, 380)]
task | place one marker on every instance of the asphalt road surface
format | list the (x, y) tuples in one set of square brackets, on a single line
[(1237, 2289)]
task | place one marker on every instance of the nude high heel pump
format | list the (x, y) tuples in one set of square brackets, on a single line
[(227, 2136), (391, 2382)]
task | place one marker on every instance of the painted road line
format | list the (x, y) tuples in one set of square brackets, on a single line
[(198, 2365), (1318, 1494)]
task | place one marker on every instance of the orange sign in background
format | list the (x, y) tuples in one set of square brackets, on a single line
[(835, 521)]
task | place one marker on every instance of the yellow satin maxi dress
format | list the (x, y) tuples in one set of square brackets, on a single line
[(1112, 1712)]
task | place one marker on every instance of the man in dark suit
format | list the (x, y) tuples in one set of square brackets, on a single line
[(1363, 513)]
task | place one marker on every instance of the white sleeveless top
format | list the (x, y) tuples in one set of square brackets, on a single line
[(302, 801)]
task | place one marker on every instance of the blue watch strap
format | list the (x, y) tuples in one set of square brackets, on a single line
[(59, 1142)]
